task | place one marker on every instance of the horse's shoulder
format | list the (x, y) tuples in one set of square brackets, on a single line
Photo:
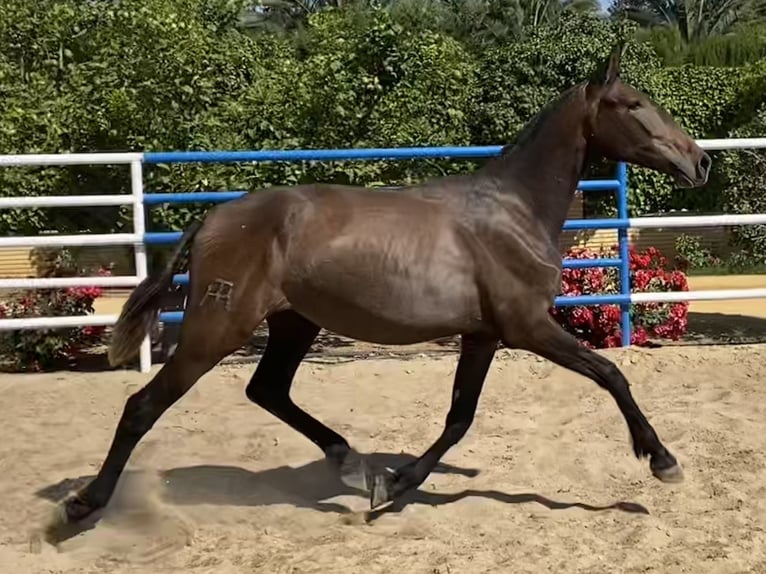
[(509, 245)]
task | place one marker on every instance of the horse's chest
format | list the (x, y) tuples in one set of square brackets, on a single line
[(515, 269)]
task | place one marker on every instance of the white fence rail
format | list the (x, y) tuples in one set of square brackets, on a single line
[(71, 240), (706, 295), (49, 159), (136, 200), (64, 282), (698, 221), (732, 143), (51, 322), (65, 201)]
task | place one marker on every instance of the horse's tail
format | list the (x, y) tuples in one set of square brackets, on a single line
[(141, 308)]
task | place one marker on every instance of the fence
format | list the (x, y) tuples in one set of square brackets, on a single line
[(140, 238)]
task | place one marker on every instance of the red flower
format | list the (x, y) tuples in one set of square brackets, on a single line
[(611, 313), (84, 293), (92, 331), (582, 317), (641, 280), (678, 281), (600, 326), (595, 280), (639, 336)]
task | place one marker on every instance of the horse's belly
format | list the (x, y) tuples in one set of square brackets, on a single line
[(388, 306), (359, 323), (388, 269)]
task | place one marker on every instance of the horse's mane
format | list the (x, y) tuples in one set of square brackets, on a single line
[(531, 128)]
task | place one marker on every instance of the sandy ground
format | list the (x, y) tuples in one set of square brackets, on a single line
[(545, 481)]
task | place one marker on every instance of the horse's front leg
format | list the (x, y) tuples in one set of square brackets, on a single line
[(475, 358), (548, 339)]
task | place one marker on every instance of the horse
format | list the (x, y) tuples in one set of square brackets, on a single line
[(472, 255)]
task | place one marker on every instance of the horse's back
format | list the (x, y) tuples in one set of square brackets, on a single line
[(374, 265)]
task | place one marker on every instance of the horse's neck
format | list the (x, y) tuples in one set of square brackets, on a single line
[(544, 167)]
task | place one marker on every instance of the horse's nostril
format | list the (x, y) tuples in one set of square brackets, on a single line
[(704, 165)]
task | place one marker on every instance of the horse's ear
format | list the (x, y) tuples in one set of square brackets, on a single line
[(609, 71)]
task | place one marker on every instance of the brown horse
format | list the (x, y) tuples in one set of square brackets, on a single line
[(471, 255)]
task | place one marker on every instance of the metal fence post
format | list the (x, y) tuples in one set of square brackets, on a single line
[(139, 228), (624, 246)]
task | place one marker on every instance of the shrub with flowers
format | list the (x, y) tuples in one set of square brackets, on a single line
[(40, 349), (599, 326)]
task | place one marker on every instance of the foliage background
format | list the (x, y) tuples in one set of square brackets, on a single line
[(220, 74)]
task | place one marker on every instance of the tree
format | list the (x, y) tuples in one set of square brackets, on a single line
[(695, 20), (706, 32), (282, 15), (538, 12), (102, 76), (477, 24), (180, 74)]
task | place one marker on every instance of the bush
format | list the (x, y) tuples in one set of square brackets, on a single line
[(41, 349), (691, 255), (181, 75), (744, 177), (599, 326)]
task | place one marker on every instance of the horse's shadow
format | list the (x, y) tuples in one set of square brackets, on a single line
[(308, 486)]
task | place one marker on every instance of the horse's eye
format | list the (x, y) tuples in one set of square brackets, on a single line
[(633, 106)]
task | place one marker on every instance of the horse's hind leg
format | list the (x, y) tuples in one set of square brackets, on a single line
[(204, 341), (290, 336), (476, 356)]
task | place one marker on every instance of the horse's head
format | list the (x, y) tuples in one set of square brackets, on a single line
[(626, 125)]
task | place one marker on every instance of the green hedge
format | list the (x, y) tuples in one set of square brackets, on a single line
[(179, 74)]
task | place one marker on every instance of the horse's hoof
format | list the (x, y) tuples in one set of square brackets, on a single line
[(673, 474), (356, 472), (75, 509), (382, 492), (666, 468), (71, 517), (336, 454), (353, 469)]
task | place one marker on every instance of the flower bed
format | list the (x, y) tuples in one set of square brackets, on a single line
[(40, 349), (599, 326)]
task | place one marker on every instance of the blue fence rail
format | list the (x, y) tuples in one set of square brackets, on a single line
[(618, 185)]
